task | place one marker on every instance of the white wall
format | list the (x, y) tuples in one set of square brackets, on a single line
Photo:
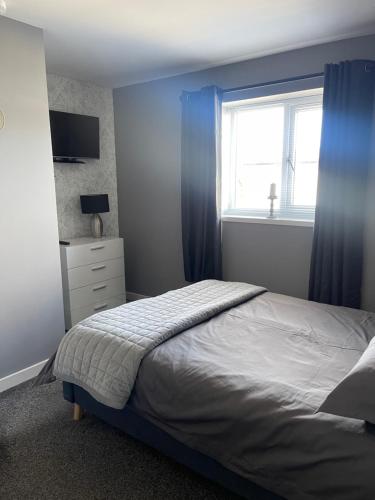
[(31, 308)]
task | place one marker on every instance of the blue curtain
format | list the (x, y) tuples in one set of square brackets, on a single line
[(337, 255), (200, 186)]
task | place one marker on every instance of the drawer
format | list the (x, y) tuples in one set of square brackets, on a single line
[(98, 292), (90, 253), (95, 273), (84, 312)]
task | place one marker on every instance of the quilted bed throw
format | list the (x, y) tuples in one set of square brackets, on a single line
[(102, 353)]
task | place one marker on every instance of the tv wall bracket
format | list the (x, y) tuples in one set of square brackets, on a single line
[(59, 159)]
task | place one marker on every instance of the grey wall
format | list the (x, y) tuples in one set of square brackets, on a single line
[(96, 176), (368, 296), (31, 307), (147, 125), (277, 257)]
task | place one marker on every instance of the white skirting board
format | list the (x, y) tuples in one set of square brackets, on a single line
[(131, 296), (22, 376)]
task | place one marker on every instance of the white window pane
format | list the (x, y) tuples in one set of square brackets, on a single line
[(306, 155), (307, 134), (259, 155), (226, 130), (305, 183), (253, 185), (260, 135)]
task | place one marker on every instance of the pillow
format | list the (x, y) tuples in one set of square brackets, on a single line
[(354, 396)]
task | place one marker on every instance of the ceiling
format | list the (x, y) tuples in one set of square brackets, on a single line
[(120, 42)]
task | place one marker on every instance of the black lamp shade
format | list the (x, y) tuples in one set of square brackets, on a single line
[(94, 203)]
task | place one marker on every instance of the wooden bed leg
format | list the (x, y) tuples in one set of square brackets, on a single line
[(77, 412)]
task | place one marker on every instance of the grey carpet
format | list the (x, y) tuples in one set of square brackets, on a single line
[(45, 455)]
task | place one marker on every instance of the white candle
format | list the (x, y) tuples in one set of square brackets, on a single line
[(273, 190)]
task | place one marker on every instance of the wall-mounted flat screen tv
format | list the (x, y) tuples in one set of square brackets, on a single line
[(74, 136)]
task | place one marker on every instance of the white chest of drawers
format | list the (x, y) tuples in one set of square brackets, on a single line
[(93, 277)]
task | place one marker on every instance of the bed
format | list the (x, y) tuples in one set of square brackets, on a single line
[(235, 397)]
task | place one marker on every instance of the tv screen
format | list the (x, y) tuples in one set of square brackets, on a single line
[(74, 136)]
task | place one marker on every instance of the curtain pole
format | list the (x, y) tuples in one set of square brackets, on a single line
[(274, 82)]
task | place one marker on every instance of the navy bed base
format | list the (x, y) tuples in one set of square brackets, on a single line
[(143, 430)]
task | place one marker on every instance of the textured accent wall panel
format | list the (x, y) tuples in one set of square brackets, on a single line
[(96, 176)]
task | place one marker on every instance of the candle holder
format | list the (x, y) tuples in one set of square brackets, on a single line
[(272, 215)]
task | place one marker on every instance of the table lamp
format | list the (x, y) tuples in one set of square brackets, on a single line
[(95, 204)]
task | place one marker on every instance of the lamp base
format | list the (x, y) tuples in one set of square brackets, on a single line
[(96, 226)]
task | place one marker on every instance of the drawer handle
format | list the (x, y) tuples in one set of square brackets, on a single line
[(97, 248), (102, 306), (97, 268), (100, 287)]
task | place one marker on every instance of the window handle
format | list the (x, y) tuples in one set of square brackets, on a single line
[(100, 287), (291, 163), (97, 268), (102, 306)]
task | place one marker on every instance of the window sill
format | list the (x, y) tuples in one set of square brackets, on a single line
[(265, 220)]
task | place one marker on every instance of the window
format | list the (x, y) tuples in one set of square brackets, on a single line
[(268, 140)]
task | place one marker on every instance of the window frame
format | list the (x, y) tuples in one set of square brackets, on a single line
[(292, 101)]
